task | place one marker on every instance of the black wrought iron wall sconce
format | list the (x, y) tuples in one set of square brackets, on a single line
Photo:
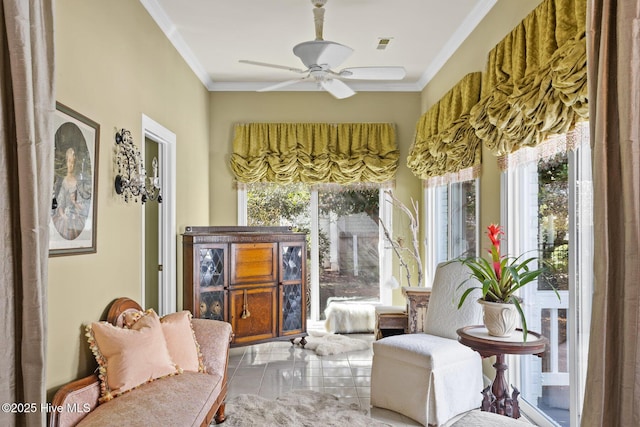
[(131, 176)]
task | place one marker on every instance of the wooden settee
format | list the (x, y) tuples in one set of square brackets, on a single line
[(187, 399)]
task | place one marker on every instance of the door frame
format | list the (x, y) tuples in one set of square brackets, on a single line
[(166, 141)]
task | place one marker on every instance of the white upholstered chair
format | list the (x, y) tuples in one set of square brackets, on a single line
[(431, 377)]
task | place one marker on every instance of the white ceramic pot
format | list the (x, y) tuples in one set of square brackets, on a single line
[(500, 319)]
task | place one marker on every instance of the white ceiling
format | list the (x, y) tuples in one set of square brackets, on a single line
[(213, 35)]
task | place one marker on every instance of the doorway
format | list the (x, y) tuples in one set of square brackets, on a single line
[(158, 282), (152, 225)]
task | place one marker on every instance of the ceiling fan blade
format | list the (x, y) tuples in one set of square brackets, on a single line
[(373, 73), (337, 88), (282, 67), (281, 84)]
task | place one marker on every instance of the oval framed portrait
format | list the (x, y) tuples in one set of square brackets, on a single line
[(72, 221)]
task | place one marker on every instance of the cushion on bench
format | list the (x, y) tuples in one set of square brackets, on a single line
[(191, 394)]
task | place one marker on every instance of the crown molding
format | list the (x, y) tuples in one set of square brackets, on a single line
[(313, 87), (170, 31)]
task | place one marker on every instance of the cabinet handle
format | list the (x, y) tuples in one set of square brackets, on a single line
[(245, 307)]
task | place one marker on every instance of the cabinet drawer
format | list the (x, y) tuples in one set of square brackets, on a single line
[(254, 262)]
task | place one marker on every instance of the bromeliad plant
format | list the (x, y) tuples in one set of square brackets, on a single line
[(501, 277)]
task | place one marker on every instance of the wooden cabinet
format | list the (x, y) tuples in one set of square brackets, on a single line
[(251, 277)]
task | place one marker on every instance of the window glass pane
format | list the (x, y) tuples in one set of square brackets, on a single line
[(463, 219), (553, 221), (349, 260), (546, 231), (278, 205), (450, 223), (442, 224)]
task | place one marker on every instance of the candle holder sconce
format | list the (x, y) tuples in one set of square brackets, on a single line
[(131, 176)]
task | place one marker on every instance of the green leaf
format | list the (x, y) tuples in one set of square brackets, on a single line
[(525, 331), (465, 295)]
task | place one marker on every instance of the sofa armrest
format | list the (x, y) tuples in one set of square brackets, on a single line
[(214, 338), (74, 401)]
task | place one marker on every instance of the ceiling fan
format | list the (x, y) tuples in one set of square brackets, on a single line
[(321, 56)]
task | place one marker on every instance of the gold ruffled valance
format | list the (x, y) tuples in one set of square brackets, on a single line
[(445, 142), (535, 84), (315, 153)]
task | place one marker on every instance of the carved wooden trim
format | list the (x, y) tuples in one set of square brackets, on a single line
[(119, 306)]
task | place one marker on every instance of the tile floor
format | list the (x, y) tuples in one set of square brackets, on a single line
[(274, 368)]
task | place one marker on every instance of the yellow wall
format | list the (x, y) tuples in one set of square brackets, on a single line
[(113, 65)]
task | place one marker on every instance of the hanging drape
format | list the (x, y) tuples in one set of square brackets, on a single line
[(27, 105), (445, 143), (535, 82), (612, 396), (314, 153)]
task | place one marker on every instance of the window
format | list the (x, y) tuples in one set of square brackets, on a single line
[(548, 212), (343, 233), (451, 213)]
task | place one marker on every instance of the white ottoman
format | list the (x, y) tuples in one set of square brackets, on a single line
[(425, 377), (349, 317)]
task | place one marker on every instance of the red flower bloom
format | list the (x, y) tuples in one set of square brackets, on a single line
[(494, 232)]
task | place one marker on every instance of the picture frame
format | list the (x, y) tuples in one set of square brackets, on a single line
[(74, 210)]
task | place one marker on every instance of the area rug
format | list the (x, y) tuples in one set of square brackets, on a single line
[(325, 344), (299, 408)]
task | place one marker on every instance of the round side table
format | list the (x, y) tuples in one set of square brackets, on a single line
[(496, 397)]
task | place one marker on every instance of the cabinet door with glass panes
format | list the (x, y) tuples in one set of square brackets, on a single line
[(292, 292), (207, 297)]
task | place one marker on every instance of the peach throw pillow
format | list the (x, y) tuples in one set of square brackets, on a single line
[(128, 358), (181, 341)]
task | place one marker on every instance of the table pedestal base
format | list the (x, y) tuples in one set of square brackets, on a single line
[(507, 405), (496, 397)]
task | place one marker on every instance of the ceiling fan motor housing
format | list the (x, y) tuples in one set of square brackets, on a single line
[(320, 52)]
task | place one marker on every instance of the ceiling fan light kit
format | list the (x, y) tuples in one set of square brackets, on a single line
[(320, 56)]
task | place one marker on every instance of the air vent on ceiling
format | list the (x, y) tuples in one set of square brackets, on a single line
[(383, 43)]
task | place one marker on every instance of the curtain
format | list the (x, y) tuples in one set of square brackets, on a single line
[(446, 148), (314, 153), (27, 105), (535, 82), (612, 396)]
